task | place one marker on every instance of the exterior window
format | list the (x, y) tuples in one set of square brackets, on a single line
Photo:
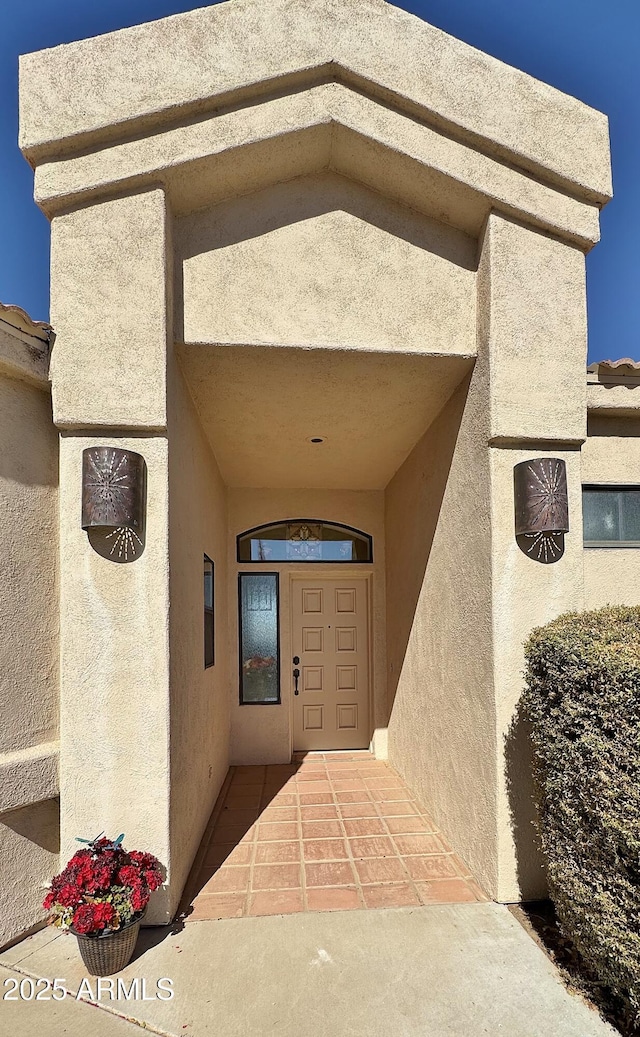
[(209, 650), (611, 516), (259, 639), (304, 540)]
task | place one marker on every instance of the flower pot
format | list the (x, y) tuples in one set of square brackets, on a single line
[(110, 952)]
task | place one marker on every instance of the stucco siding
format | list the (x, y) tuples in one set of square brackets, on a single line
[(29, 646), (343, 265), (442, 736), (199, 746)]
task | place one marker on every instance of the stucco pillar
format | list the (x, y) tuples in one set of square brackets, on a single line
[(532, 306), (110, 307)]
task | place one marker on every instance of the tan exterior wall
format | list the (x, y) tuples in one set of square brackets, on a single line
[(115, 776), (535, 301), (108, 305), (226, 53), (331, 253), (262, 734), (611, 454), (526, 594), (442, 735), (28, 548), (199, 747), (29, 646), (531, 304)]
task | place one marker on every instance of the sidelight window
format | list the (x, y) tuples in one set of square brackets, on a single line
[(259, 638)]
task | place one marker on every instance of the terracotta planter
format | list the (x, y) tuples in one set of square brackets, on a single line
[(104, 955)]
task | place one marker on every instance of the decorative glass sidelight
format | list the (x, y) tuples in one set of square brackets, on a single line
[(304, 540), (259, 638)]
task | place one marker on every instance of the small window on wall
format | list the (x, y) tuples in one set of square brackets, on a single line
[(259, 639), (611, 516), (209, 649)]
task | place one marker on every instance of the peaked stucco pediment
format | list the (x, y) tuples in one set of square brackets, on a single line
[(139, 79)]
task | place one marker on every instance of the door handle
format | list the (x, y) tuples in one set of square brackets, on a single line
[(296, 675)]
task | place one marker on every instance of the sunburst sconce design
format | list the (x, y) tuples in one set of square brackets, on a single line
[(542, 507), (113, 501)]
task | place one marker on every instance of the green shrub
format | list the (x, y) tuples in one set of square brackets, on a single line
[(583, 702)]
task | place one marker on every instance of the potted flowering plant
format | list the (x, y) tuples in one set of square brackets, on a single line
[(101, 897)]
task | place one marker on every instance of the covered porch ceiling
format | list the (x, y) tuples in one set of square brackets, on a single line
[(261, 407)]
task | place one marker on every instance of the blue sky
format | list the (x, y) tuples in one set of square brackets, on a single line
[(588, 48)]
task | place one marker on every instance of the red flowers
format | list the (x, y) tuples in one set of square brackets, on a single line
[(102, 888)]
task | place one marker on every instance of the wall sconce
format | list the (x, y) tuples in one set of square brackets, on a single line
[(542, 507), (113, 501)]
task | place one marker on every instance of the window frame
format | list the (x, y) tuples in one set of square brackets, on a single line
[(273, 702), (608, 545), (210, 615), (302, 561)]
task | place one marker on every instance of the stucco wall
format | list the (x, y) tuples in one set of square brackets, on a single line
[(330, 252), (114, 688), (442, 735), (199, 752), (28, 574), (611, 454), (261, 734), (29, 623)]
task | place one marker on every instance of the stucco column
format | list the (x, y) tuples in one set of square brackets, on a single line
[(532, 307), (110, 308)]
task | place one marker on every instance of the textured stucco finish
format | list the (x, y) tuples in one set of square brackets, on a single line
[(143, 74), (262, 734), (29, 775), (442, 735), (327, 126), (537, 334), (23, 356), (108, 303), (199, 745), (526, 594), (352, 397), (343, 265), (29, 857), (114, 700), (28, 578), (611, 455), (29, 621)]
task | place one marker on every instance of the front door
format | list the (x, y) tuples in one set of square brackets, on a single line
[(330, 631)]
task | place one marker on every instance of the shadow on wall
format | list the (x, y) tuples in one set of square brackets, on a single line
[(301, 202), (308, 197), (407, 561), (29, 455), (518, 752), (34, 822)]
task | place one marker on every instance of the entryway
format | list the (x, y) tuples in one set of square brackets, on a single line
[(330, 641), (330, 831)]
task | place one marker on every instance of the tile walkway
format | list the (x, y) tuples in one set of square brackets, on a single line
[(330, 831)]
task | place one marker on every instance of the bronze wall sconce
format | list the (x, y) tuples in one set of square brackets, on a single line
[(542, 507), (113, 501)]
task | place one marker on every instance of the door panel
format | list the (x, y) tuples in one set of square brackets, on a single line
[(330, 626)]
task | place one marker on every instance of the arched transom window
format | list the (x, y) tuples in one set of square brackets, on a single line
[(304, 540)]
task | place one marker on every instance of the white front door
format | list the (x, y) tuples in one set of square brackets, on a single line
[(330, 631)]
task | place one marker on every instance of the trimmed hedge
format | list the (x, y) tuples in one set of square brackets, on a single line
[(583, 702)]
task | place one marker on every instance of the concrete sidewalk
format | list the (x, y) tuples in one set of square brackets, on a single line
[(462, 970)]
